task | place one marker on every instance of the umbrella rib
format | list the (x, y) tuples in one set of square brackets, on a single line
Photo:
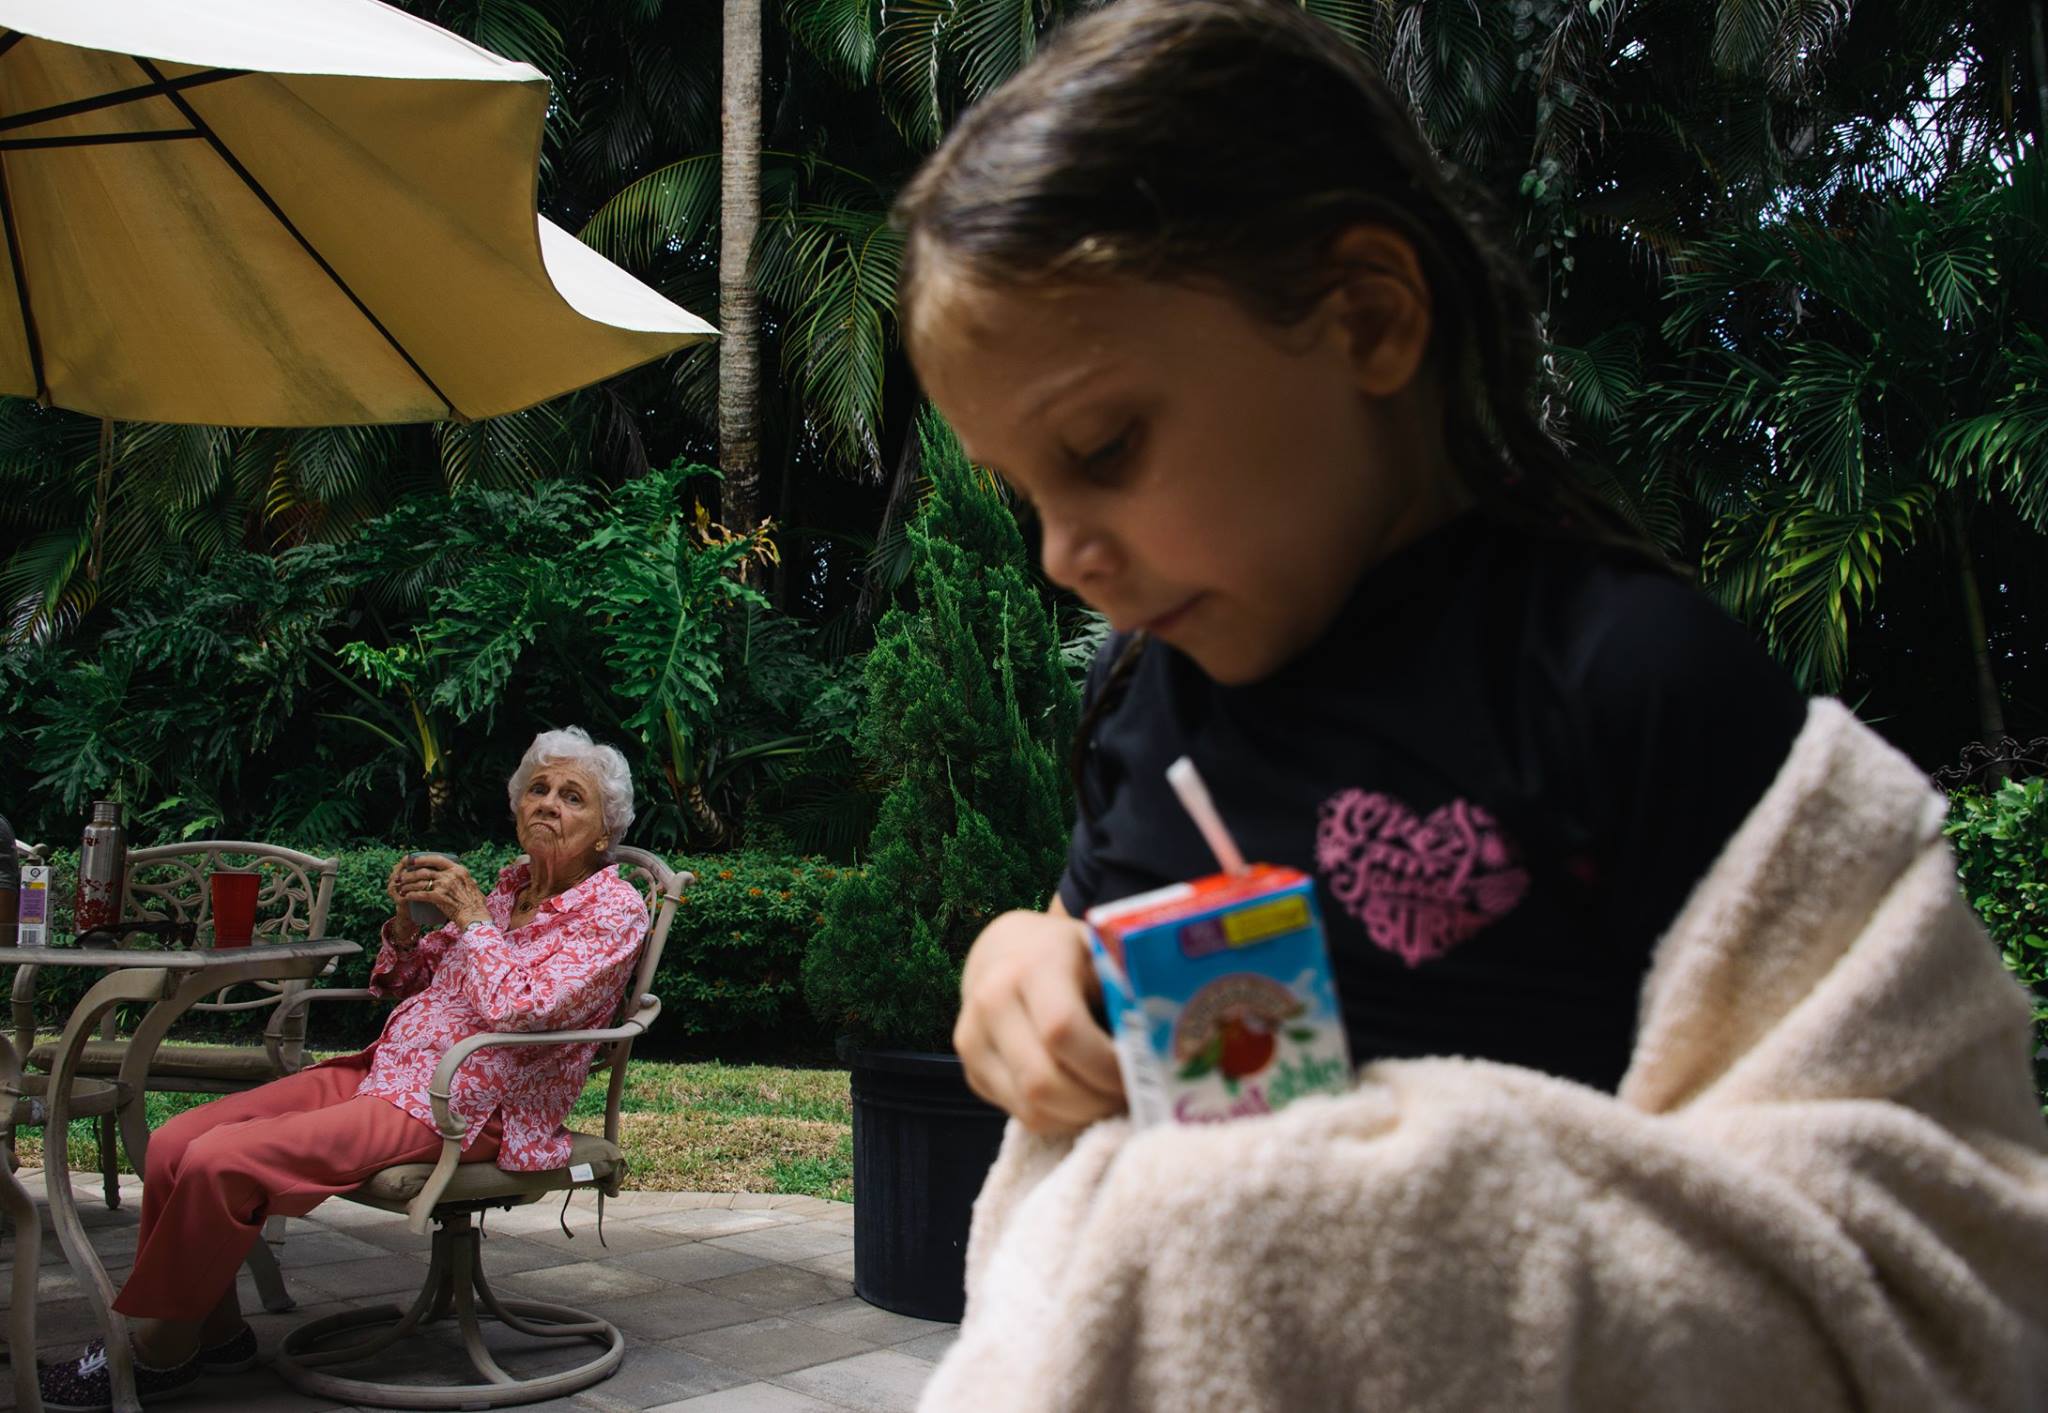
[(162, 88), (93, 139), (226, 154), (28, 318), (11, 38)]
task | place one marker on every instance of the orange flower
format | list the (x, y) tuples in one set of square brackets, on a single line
[(753, 892), (725, 873)]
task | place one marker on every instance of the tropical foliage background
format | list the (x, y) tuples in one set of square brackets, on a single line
[(1789, 258)]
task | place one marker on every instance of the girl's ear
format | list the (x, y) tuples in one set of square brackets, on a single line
[(1382, 304)]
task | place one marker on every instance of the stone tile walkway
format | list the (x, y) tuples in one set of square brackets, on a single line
[(730, 1303)]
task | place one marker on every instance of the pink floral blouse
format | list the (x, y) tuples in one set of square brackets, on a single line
[(565, 970)]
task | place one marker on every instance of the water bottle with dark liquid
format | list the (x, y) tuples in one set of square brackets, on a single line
[(102, 866)]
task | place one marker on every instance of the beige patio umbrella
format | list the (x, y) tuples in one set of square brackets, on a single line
[(289, 213)]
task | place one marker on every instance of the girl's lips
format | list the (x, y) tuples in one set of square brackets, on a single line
[(1168, 619)]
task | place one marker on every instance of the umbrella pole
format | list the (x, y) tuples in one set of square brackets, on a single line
[(99, 511)]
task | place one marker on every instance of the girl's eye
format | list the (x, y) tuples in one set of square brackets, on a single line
[(1109, 457)]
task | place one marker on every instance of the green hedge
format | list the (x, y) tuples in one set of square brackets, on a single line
[(735, 953), (730, 968), (2001, 843)]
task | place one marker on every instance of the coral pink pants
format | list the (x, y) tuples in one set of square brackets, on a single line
[(214, 1173)]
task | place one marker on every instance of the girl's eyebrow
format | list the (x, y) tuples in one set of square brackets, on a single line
[(1079, 377)]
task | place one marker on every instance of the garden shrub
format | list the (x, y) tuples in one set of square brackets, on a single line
[(2001, 844), (969, 713), (735, 952)]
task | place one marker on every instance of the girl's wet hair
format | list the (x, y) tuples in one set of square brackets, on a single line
[(1227, 144)]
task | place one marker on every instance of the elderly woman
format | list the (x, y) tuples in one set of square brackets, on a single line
[(551, 947)]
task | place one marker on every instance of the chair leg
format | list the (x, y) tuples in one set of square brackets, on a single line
[(110, 1162), (262, 1264), (463, 1279)]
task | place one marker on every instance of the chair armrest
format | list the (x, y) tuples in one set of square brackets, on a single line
[(458, 1054), (287, 1006), (421, 1208)]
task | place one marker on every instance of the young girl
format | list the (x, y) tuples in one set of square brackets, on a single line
[(1195, 286)]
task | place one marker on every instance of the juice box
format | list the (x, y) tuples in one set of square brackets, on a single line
[(32, 916), (1219, 996)]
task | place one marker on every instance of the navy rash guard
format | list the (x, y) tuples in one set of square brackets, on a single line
[(1505, 763)]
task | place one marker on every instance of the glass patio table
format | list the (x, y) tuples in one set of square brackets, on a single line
[(170, 981)]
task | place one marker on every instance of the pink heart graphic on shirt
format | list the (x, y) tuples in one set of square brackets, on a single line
[(1419, 887)]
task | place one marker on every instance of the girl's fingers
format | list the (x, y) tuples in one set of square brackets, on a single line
[(1041, 1094), (1058, 1005)]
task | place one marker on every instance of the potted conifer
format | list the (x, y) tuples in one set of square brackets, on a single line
[(968, 716)]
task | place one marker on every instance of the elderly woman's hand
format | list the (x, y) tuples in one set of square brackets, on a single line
[(404, 931), (447, 885)]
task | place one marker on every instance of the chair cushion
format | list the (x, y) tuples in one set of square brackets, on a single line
[(233, 1063), (90, 1098), (487, 1182)]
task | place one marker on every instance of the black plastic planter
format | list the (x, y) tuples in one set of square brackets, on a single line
[(922, 1143)]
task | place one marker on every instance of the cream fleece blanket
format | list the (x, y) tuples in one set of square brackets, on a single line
[(1822, 1185)]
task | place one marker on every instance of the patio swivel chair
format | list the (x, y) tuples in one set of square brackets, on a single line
[(450, 1194)]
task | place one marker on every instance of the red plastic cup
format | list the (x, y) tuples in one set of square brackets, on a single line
[(234, 907)]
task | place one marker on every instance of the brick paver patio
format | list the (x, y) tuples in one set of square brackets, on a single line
[(731, 1303)]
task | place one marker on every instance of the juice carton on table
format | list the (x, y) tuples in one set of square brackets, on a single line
[(33, 917), (1219, 996)]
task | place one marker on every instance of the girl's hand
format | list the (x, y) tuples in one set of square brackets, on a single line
[(447, 885), (404, 931), (1026, 1036)]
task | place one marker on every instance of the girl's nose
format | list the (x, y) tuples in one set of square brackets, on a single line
[(1077, 556)]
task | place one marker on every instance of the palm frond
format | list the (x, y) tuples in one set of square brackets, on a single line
[(668, 209), (994, 38), (43, 590), (1956, 266), (1367, 25), (911, 67), (1804, 573), (1602, 378), (2004, 449), (507, 452), (1744, 33), (514, 29), (840, 33), (1820, 414), (833, 268)]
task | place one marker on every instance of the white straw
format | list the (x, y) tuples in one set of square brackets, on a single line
[(1194, 798)]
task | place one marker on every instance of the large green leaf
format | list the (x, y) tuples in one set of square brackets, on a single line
[(668, 209), (841, 33), (911, 67)]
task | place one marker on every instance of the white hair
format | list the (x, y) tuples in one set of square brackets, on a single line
[(604, 764)]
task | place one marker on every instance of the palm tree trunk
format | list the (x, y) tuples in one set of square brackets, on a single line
[(739, 305), (1990, 707)]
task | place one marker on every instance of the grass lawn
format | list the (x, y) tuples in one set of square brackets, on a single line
[(706, 1127)]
